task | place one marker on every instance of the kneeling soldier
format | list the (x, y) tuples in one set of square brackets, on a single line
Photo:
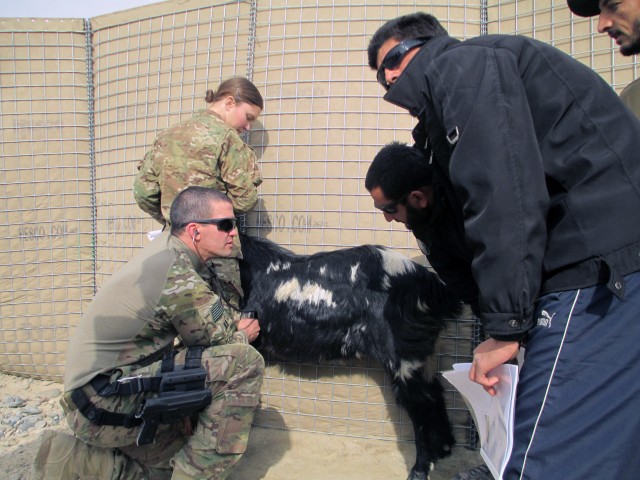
[(140, 407)]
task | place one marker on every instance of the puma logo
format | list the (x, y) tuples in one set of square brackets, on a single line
[(544, 320)]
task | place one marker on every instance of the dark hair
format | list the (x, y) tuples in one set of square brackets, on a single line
[(415, 25), (241, 89), (193, 203), (398, 169)]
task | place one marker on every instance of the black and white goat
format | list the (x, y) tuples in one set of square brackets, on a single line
[(352, 303)]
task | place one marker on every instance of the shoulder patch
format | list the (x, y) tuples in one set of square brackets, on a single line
[(216, 310)]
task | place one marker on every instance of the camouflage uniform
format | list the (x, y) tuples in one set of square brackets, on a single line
[(201, 151), (156, 297)]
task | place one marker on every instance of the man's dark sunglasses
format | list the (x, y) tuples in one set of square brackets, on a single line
[(392, 207), (394, 56), (223, 224)]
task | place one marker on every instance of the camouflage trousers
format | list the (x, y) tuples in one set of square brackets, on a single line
[(234, 374)]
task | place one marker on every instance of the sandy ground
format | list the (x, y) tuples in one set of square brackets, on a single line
[(271, 454)]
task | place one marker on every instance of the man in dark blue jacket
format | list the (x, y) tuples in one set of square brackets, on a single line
[(533, 218)]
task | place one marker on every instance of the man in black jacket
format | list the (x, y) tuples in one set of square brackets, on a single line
[(533, 219)]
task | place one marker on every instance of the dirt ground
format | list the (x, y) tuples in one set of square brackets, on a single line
[(271, 455), (287, 455)]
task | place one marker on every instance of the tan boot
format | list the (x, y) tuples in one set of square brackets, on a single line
[(64, 457)]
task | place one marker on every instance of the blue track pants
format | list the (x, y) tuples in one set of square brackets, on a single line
[(578, 401)]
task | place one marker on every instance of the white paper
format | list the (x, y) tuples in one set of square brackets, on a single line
[(493, 416), (153, 234)]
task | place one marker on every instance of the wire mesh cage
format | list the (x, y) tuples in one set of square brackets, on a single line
[(82, 100)]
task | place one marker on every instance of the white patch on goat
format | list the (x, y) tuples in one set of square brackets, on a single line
[(276, 267), (310, 292), (354, 272), (323, 270), (406, 369), (395, 263)]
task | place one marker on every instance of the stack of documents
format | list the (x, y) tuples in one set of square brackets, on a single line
[(493, 416)]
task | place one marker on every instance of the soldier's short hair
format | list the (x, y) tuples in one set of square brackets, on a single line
[(193, 203)]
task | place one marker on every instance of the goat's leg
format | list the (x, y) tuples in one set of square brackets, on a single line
[(424, 402)]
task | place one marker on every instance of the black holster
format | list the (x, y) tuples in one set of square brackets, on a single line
[(182, 392)]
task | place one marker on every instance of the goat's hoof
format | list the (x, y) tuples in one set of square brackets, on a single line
[(420, 474)]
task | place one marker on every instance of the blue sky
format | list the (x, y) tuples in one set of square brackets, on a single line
[(65, 8)]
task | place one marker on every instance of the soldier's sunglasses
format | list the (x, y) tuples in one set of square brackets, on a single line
[(394, 56), (223, 224)]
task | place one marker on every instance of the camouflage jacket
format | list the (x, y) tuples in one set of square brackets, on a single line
[(158, 296), (202, 151)]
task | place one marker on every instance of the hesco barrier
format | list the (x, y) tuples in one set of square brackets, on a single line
[(82, 99)]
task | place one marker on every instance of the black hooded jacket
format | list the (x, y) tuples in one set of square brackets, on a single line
[(537, 169)]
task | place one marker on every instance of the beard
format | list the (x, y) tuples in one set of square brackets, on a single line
[(633, 47), (417, 219)]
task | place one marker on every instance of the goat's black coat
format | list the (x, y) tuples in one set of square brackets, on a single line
[(353, 303)]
